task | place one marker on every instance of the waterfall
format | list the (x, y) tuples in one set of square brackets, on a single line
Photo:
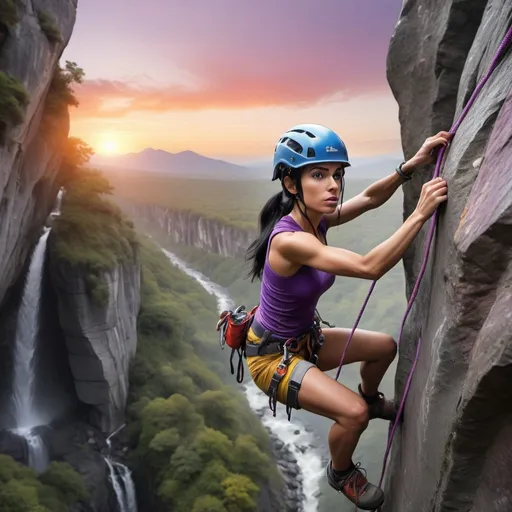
[(121, 479), (26, 414), (27, 325), (58, 202)]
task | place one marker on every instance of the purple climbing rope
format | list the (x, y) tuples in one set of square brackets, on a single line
[(507, 40)]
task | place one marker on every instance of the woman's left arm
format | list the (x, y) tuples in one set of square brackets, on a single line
[(372, 197), (380, 191)]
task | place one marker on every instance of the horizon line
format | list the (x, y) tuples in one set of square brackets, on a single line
[(229, 158)]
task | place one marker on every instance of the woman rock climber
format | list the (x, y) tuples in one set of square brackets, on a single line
[(287, 353)]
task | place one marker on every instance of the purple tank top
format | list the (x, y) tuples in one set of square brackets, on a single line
[(287, 304)]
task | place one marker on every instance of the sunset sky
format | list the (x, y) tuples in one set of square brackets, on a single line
[(225, 78)]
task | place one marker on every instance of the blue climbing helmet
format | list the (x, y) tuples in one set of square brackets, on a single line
[(306, 144)]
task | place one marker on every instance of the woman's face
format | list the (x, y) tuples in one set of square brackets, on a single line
[(321, 186)]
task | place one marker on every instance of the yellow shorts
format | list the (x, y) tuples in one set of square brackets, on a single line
[(262, 369)]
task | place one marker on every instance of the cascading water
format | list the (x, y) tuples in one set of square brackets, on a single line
[(26, 414), (58, 202), (122, 482), (27, 324)]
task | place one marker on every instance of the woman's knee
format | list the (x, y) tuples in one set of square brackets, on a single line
[(389, 347), (354, 415)]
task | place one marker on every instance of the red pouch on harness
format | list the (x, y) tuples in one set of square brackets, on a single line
[(233, 327)]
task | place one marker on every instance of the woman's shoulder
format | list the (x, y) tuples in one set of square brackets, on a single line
[(287, 223)]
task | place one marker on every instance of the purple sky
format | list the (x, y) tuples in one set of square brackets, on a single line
[(171, 74)]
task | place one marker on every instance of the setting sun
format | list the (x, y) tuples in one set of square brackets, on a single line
[(108, 147)]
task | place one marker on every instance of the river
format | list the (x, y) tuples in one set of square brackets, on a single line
[(295, 435), (310, 445)]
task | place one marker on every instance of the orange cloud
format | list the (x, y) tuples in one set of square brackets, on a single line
[(104, 98)]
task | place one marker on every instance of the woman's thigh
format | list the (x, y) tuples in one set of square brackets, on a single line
[(323, 395), (364, 346)]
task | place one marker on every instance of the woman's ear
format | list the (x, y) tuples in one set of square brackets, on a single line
[(290, 185)]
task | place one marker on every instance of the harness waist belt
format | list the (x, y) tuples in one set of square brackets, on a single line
[(269, 344)]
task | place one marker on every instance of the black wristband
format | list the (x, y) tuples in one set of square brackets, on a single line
[(401, 173)]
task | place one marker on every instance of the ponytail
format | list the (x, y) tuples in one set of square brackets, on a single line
[(277, 206)]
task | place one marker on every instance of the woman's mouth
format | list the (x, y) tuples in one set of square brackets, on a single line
[(332, 199)]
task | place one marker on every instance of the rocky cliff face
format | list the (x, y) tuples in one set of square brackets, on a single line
[(101, 340), (191, 229), (30, 156), (454, 450)]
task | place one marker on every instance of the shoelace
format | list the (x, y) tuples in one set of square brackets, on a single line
[(358, 482)]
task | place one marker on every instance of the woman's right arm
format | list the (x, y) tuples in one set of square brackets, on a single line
[(304, 249)]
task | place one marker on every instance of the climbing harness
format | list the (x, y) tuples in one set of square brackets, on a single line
[(233, 327), (507, 40), (312, 339)]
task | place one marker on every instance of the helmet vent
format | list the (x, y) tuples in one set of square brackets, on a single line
[(294, 145), (309, 134), (311, 153)]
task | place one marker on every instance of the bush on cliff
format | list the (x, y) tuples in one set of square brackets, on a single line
[(54, 490), (9, 12), (61, 94), (48, 26), (197, 445), (91, 232), (13, 101)]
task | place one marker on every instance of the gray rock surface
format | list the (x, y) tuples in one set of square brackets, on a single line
[(30, 159), (71, 442), (453, 452), (191, 229), (101, 340), (14, 445)]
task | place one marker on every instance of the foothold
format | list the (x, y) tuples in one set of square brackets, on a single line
[(478, 162)]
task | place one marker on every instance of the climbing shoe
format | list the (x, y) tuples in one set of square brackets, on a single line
[(379, 407), (356, 488)]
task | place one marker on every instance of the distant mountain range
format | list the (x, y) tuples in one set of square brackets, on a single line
[(193, 165), (185, 164)]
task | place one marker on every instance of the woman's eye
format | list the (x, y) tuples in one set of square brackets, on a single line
[(318, 175)]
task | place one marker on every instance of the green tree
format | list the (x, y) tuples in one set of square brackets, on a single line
[(208, 503), (211, 445), (171, 381), (88, 188), (19, 496), (161, 448), (240, 494), (11, 470), (75, 155), (161, 414), (185, 464), (248, 459), (220, 411), (211, 478), (62, 476), (61, 94)]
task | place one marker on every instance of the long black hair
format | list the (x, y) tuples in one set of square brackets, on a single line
[(277, 206)]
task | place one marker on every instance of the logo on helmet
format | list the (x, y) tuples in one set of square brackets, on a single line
[(330, 149)]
